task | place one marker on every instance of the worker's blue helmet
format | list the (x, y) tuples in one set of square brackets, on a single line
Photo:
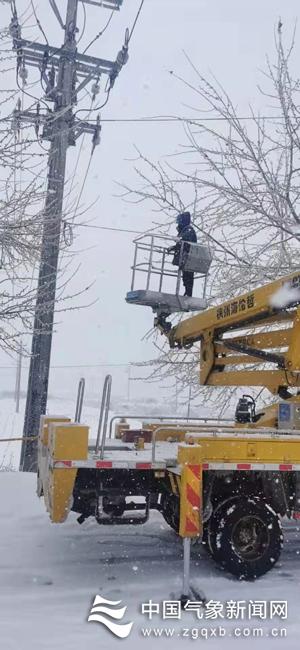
[(183, 220)]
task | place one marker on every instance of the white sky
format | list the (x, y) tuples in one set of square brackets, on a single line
[(228, 38)]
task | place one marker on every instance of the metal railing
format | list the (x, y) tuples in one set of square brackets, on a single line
[(163, 418), (193, 428), (155, 260), (147, 244), (231, 430), (103, 418), (79, 401)]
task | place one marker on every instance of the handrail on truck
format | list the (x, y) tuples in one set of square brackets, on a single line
[(79, 402), (164, 418), (103, 419)]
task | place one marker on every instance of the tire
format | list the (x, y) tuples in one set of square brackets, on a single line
[(245, 537), (205, 540), (170, 511)]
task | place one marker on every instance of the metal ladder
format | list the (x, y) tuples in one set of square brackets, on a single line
[(103, 419)]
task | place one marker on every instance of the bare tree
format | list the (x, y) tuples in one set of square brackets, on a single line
[(23, 172), (243, 190)]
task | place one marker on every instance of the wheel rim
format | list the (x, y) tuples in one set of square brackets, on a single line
[(250, 537)]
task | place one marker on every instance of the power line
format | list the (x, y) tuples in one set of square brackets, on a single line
[(120, 61), (79, 155), (83, 185), (166, 119), (84, 24), (38, 22), (133, 232), (136, 19), (83, 365), (99, 34), (97, 108)]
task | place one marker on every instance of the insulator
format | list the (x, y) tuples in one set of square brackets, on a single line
[(15, 124), (95, 89), (15, 29), (96, 136), (45, 60), (51, 77), (122, 56), (23, 74)]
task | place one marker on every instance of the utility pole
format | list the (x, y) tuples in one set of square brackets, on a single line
[(18, 378), (61, 70)]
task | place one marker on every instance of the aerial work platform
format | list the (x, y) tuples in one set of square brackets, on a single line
[(165, 302), (161, 291)]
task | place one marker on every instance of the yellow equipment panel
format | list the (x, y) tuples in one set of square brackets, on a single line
[(228, 448), (65, 441)]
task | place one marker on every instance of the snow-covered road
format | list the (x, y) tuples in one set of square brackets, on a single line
[(49, 575)]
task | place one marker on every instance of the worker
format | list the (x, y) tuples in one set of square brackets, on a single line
[(186, 233)]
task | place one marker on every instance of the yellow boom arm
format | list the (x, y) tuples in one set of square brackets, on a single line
[(272, 314)]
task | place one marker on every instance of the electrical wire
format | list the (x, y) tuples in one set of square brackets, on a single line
[(110, 228), (100, 33), (89, 365), (38, 22), (170, 119), (15, 15), (82, 186), (164, 120), (90, 160), (135, 21), (97, 108), (22, 90), (84, 23), (77, 160)]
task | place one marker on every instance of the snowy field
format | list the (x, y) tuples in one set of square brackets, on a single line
[(50, 574)]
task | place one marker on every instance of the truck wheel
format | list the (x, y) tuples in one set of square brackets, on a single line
[(170, 511), (205, 540), (245, 537)]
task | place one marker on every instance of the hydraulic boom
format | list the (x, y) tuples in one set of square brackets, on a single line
[(250, 340)]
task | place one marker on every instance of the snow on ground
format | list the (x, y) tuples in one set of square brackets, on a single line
[(50, 574)]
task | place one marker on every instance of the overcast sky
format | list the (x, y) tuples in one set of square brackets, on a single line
[(227, 38)]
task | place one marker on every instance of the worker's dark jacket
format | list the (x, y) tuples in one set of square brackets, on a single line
[(187, 235)]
